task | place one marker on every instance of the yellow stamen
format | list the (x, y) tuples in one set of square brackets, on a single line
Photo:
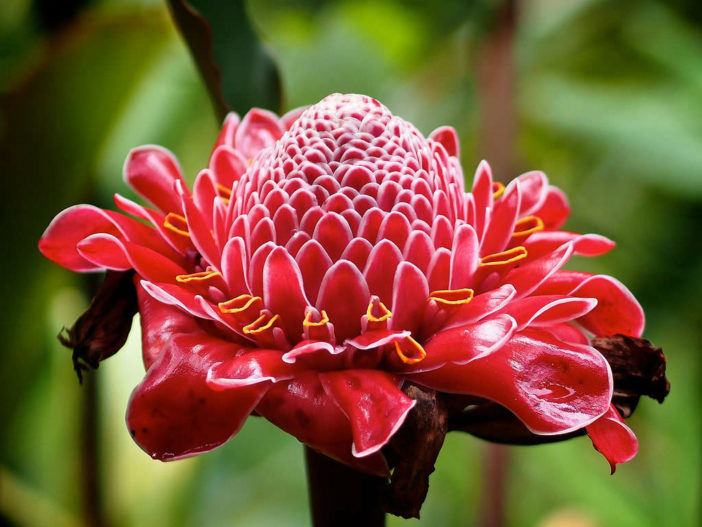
[(227, 193), (197, 277), (385, 313), (260, 324), (415, 351), (452, 297), (308, 323), (497, 190), (239, 304), (527, 225), (176, 223), (506, 257)]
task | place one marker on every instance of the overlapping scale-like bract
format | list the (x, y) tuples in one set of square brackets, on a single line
[(328, 257)]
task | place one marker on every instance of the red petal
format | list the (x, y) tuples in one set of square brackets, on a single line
[(234, 267), (258, 130), (173, 413), (344, 296), (376, 338), (333, 233), (229, 128), (105, 251), (613, 439), (447, 137), (502, 221), (283, 291), (254, 367), (527, 277), (482, 195), (373, 403), (152, 172), (313, 262), (380, 270), (465, 257), (548, 309), (553, 387), (617, 309), (409, 298), (534, 186), (554, 210), (303, 408), (481, 306), (541, 243)]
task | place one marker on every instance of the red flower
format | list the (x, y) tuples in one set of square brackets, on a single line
[(324, 259)]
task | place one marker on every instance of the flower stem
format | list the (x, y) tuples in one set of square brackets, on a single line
[(494, 485), (340, 495)]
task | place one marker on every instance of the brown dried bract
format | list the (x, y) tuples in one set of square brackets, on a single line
[(103, 329)]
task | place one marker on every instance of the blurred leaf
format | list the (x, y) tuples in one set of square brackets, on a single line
[(237, 69)]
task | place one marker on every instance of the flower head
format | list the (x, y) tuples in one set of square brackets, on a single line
[(327, 258)]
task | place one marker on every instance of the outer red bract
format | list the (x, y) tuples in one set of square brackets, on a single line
[(327, 257)]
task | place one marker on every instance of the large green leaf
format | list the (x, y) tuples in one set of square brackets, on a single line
[(235, 65)]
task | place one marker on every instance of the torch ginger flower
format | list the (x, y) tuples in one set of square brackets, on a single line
[(328, 257)]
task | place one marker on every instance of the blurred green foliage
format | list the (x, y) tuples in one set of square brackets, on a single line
[(609, 105)]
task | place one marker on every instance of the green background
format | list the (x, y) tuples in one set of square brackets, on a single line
[(607, 101)]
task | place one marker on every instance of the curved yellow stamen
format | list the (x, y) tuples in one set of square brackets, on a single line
[(385, 313), (527, 225), (227, 193), (506, 257), (417, 353), (260, 325), (239, 304), (197, 277), (308, 323), (176, 223), (452, 297), (497, 190)]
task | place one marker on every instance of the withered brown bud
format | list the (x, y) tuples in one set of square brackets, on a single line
[(103, 329)]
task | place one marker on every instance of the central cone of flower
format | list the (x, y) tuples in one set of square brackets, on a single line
[(327, 257)]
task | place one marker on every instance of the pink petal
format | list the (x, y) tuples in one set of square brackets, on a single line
[(380, 270), (201, 232), (534, 186), (482, 195), (376, 338), (465, 257), (344, 296), (613, 439), (528, 277), (333, 233), (313, 262), (541, 243), (259, 366), (227, 165), (234, 267), (283, 291), (548, 309), (409, 298), (504, 217), (481, 306), (357, 252), (258, 130), (439, 270), (174, 413), (464, 344), (228, 131), (152, 172), (447, 137), (105, 251), (373, 403), (419, 249)]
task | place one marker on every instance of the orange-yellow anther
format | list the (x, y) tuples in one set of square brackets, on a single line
[(377, 312), (261, 324), (308, 319), (197, 277), (506, 257), (176, 223), (526, 226), (452, 297), (225, 192), (497, 190), (410, 351), (240, 304)]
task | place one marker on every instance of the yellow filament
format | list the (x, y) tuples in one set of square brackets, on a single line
[(254, 329), (248, 300), (308, 323), (497, 190), (528, 225), (506, 257), (224, 190), (452, 297), (168, 224), (386, 313), (416, 346), (197, 277)]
